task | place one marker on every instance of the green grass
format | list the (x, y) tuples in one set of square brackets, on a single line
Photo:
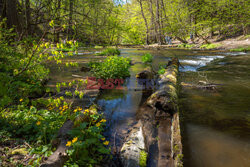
[(240, 49), (210, 46)]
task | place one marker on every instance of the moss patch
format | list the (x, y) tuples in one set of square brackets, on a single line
[(143, 158)]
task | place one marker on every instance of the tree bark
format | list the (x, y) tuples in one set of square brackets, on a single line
[(158, 35), (145, 20), (10, 12), (27, 17), (152, 19), (58, 16), (70, 18)]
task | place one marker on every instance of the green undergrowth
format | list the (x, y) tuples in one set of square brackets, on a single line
[(29, 122), (242, 49), (109, 52)]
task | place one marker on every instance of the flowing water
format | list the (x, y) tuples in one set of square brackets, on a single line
[(215, 124)]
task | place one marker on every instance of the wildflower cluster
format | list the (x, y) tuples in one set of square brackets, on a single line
[(88, 146), (77, 109), (69, 143)]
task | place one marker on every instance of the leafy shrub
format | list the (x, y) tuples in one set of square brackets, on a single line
[(109, 52), (147, 58), (112, 67)]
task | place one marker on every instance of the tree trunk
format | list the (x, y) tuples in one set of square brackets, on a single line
[(180, 39), (152, 19), (158, 35), (58, 17), (27, 17), (145, 20), (10, 12), (70, 19)]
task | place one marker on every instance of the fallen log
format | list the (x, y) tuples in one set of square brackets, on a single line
[(160, 121)]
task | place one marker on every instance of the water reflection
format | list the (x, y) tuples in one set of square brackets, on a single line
[(210, 148)]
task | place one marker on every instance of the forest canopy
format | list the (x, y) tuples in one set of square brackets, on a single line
[(114, 22)]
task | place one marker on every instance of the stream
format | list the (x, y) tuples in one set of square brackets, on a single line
[(215, 124)]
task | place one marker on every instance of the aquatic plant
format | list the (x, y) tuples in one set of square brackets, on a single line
[(112, 67), (147, 58)]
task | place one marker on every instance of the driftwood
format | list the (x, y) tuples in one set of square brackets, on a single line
[(202, 85)]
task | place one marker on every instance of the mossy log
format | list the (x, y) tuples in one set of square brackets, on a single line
[(160, 121)]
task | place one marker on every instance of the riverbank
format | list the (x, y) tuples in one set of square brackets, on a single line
[(240, 43)]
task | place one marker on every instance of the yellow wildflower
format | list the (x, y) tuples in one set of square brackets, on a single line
[(74, 140), (106, 143), (69, 143), (60, 108), (75, 110), (21, 100), (98, 124), (38, 123), (103, 120), (86, 111), (103, 138)]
